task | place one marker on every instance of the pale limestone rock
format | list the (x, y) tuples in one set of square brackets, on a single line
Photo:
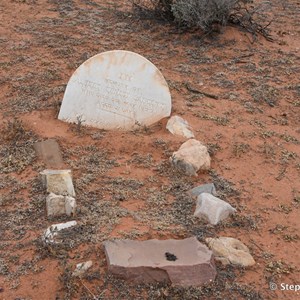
[(116, 90), (82, 268), (180, 262), (58, 205), (58, 182), (177, 125), (212, 209), (52, 234), (191, 157), (55, 205), (70, 205), (230, 251)]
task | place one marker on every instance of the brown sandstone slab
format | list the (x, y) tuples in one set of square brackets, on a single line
[(181, 262), (49, 152)]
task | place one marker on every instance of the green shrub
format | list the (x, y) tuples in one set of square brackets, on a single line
[(202, 13), (207, 15)]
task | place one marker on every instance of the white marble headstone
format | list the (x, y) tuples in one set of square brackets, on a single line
[(116, 90)]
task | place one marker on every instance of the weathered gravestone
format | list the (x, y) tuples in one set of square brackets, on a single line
[(116, 90)]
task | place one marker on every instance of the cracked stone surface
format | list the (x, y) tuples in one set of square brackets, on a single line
[(58, 205), (184, 262), (58, 182), (177, 125), (230, 251), (212, 209), (191, 157)]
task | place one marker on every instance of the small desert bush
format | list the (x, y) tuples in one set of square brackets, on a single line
[(207, 15), (16, 146), (202, 14), (14, 131)]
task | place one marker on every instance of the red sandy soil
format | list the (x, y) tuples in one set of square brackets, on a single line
[(125, 185)]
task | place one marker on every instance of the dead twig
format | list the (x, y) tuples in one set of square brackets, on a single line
[(193, 90), (252, 241), (239, 59), (243, 18), (94, 297)]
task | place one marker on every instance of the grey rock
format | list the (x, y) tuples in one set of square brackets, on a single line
[(212, 209), (191, 157), (58, 182), (230, 251), (204, 188), (58, 205), (180, 262), (177, 125)]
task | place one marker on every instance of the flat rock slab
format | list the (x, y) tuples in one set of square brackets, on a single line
[(58, 182), (204, 188), (180, 262), (230, 251), (116, 90), (49, 152), (212, 209)]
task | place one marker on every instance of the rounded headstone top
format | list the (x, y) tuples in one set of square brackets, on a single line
[(116, 90)]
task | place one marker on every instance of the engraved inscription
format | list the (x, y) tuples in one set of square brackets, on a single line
[(125, 76), (116, 90), (118, 97)]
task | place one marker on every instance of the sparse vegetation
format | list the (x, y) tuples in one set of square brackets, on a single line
[(14, 132), (207, 15), (240, 148), (240, 97), (219, 120), (279, 267), (16, 149), (79, 121)]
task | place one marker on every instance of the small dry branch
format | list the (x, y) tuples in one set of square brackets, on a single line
[(193, 90)]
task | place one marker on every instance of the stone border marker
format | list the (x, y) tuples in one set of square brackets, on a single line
[(116, 90), (204, 188), (191, 157), (58, 182), (179, 126), (184, 262), (212, 209), (49, 152), (52, 233), (230, 251), (57, 205)]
